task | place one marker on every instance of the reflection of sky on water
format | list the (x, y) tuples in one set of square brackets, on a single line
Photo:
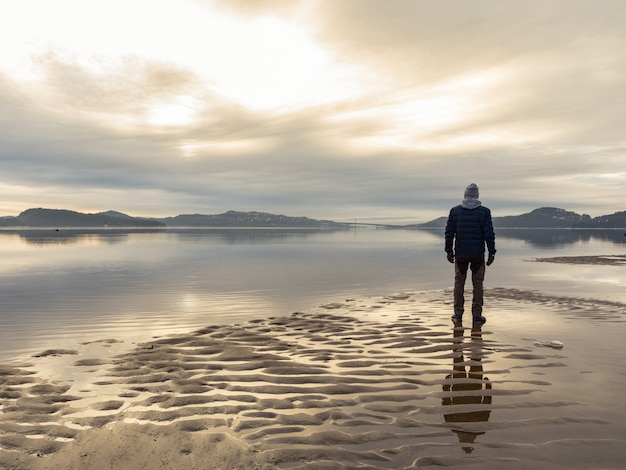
[(588, 370), (550, 238), (579, 276), (57, 285)]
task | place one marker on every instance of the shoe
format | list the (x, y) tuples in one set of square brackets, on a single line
[(479, 321), (457, 319)]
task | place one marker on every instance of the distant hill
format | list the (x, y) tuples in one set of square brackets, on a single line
[(119, 215), (66, 218), (617, 220), (439, 222), (246, 219), (546, 217)]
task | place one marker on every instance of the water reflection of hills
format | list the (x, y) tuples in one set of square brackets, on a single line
[(71, 236), (234, 236), (114, 236), (550, 238), (540, 238)]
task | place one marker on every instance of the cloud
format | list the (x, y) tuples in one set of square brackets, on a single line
[(347, 109), (426, 40)]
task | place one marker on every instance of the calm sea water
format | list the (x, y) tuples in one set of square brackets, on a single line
[(62, 288)]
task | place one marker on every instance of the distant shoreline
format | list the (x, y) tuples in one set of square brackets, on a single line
[(544, 217)]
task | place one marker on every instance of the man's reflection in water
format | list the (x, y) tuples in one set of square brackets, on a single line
[(468, 391)]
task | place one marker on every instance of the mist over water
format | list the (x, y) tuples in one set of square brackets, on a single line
[(70, 286)]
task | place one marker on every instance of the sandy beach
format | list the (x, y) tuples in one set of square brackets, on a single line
[(377, 383)]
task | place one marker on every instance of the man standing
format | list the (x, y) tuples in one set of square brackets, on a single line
[(469, 228)]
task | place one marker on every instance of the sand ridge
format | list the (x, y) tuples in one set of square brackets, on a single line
[(610, 260), (365, 383)]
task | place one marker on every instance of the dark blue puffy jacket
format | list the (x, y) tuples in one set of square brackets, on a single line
[(470, 230)]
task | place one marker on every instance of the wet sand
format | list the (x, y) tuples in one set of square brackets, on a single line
[(610, 260), (380, 383)]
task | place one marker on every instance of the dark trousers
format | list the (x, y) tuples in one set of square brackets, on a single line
[(477, 265)]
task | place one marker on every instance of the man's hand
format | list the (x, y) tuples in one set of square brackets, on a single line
[(490, 259), (451, 257)]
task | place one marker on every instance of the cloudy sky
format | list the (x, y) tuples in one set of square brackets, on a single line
[(341, 109)]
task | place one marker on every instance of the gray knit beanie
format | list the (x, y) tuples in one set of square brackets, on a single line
[(471, 192)]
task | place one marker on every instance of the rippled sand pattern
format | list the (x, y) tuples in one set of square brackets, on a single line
[(364, 384)]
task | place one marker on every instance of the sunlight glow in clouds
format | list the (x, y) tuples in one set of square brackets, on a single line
[(269, 64), (190, 148), (261, 63), (415, 118), (180, 111)]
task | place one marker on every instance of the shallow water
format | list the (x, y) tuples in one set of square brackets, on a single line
[(379, 383), (59, 288)]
